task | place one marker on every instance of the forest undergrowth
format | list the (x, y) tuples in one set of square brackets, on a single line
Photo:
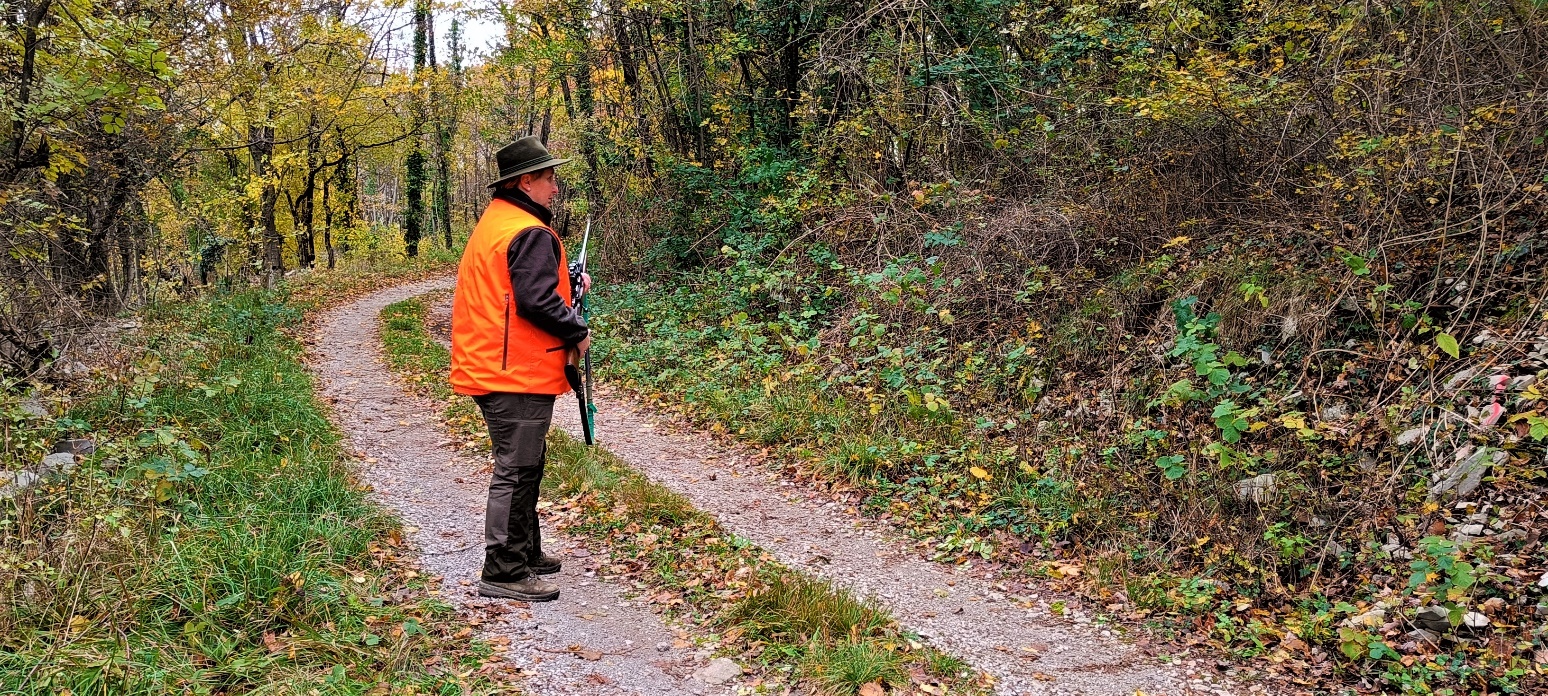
[(1230, 317)]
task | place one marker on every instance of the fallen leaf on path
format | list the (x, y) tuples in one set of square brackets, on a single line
[(872, 689)]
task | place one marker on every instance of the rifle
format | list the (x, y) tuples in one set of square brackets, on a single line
[(578, 371)]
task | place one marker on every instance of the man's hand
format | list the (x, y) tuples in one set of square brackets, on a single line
[(585, 283), (585, 344)]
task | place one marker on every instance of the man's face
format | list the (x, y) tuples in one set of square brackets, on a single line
[(540, 188)]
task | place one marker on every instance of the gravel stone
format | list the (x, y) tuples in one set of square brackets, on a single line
[(718, 671)]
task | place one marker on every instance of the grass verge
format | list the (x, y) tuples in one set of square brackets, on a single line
[(215, 543), (746, 602)]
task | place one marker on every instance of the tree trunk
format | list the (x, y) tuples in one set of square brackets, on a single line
[(586, 100), (445, 134), (327, 205), (260, 148), (304, 213)]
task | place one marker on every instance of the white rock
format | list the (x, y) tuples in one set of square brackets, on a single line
[(1370, 619), (33, 408), (57, 463), (1257, 489), (719, 671), (14, 482), (1460, 379), (1464, 476), (1510, 536), (1412, 435), (1543, 581), (1471, 529), (1474, 619), (1434, 618)]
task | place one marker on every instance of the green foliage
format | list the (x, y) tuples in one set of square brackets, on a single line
[(1440, 571), (1358, 645), (1232, 420), (1292, 545), (799, 610), (1449, 344), (1173, 466)]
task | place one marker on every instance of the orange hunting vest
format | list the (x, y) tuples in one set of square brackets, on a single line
[(493, 349)]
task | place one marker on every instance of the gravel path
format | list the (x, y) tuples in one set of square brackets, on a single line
[(1028, 649), (593, 641)]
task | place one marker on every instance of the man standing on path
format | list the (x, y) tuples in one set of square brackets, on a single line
[(513, 328)]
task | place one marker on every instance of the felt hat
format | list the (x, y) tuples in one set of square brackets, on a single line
[(524, 156)]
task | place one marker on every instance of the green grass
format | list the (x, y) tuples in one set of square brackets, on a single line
[(796, 609), (728, 587), (423, 364), (217, 542), (844, 667)]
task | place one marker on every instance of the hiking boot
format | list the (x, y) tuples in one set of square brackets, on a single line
[(528, 589), (545, 565)]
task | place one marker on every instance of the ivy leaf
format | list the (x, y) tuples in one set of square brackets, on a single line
[(1448, 343)]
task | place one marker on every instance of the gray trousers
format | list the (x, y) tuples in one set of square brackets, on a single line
[(518, 427)]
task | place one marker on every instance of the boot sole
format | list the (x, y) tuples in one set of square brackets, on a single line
[(546, 571), (487, 590)]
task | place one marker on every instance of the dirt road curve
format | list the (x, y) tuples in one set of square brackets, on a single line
[(596, 641)]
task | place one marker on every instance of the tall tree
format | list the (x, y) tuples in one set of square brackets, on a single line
[(414, 165)]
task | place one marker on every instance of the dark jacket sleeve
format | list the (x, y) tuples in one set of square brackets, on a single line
[(533, 258)]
